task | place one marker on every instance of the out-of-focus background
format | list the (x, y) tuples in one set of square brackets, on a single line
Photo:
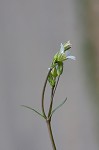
[(30, 34)]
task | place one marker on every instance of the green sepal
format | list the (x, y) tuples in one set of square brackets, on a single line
[(33, 110), (60, 68), (55, 58), (52, 80), (59, 57), (67, 46), (54, 72)]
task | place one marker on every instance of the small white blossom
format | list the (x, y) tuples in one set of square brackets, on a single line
[(68, 56), (71, 57)]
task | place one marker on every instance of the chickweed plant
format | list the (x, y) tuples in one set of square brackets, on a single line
[(53, 76)]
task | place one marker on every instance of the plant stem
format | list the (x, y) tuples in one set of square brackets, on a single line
[(51, 134), (51, 102), (56, 86), (52, 96), (48, 120), (43, 92)]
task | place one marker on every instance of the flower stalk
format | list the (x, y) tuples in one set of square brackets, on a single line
[(51, 134), (53, 76), (48, 117)]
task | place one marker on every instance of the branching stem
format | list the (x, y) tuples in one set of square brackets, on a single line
[(48, 120), (43, 92)]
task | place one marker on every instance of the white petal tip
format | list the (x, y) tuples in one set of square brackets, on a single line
[(71, 57), (62, 48)]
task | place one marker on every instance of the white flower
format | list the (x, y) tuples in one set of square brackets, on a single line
[(68, 56)]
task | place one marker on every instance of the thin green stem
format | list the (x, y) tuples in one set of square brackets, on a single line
[(56, 86), (43, 92), (52, 96), (51, 134), (48, 120), (51, 102)]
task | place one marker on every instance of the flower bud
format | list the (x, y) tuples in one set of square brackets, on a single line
[(67, 46)]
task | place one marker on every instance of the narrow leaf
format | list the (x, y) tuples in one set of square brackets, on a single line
[(33, 110), (58, 106)]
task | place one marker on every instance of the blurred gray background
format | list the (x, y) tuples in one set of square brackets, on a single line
[(30, 34)]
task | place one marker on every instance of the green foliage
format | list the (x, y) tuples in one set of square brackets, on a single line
[(55, 72), (53, 111), (33, 110), (59, 57), (57, 63), (59, 68)]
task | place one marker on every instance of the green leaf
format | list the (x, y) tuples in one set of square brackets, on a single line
[(51, 79), (61, 57), (58, 107), (54, 72), (33, 110), (60, 68), (55, 57)]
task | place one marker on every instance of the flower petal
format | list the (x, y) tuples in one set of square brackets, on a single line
[(71, 57), (62, 48), (67, 53)]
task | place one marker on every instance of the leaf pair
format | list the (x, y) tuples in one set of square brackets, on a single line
[(53, 111)]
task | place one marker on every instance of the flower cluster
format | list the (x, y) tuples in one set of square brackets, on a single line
[(57, 63)]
